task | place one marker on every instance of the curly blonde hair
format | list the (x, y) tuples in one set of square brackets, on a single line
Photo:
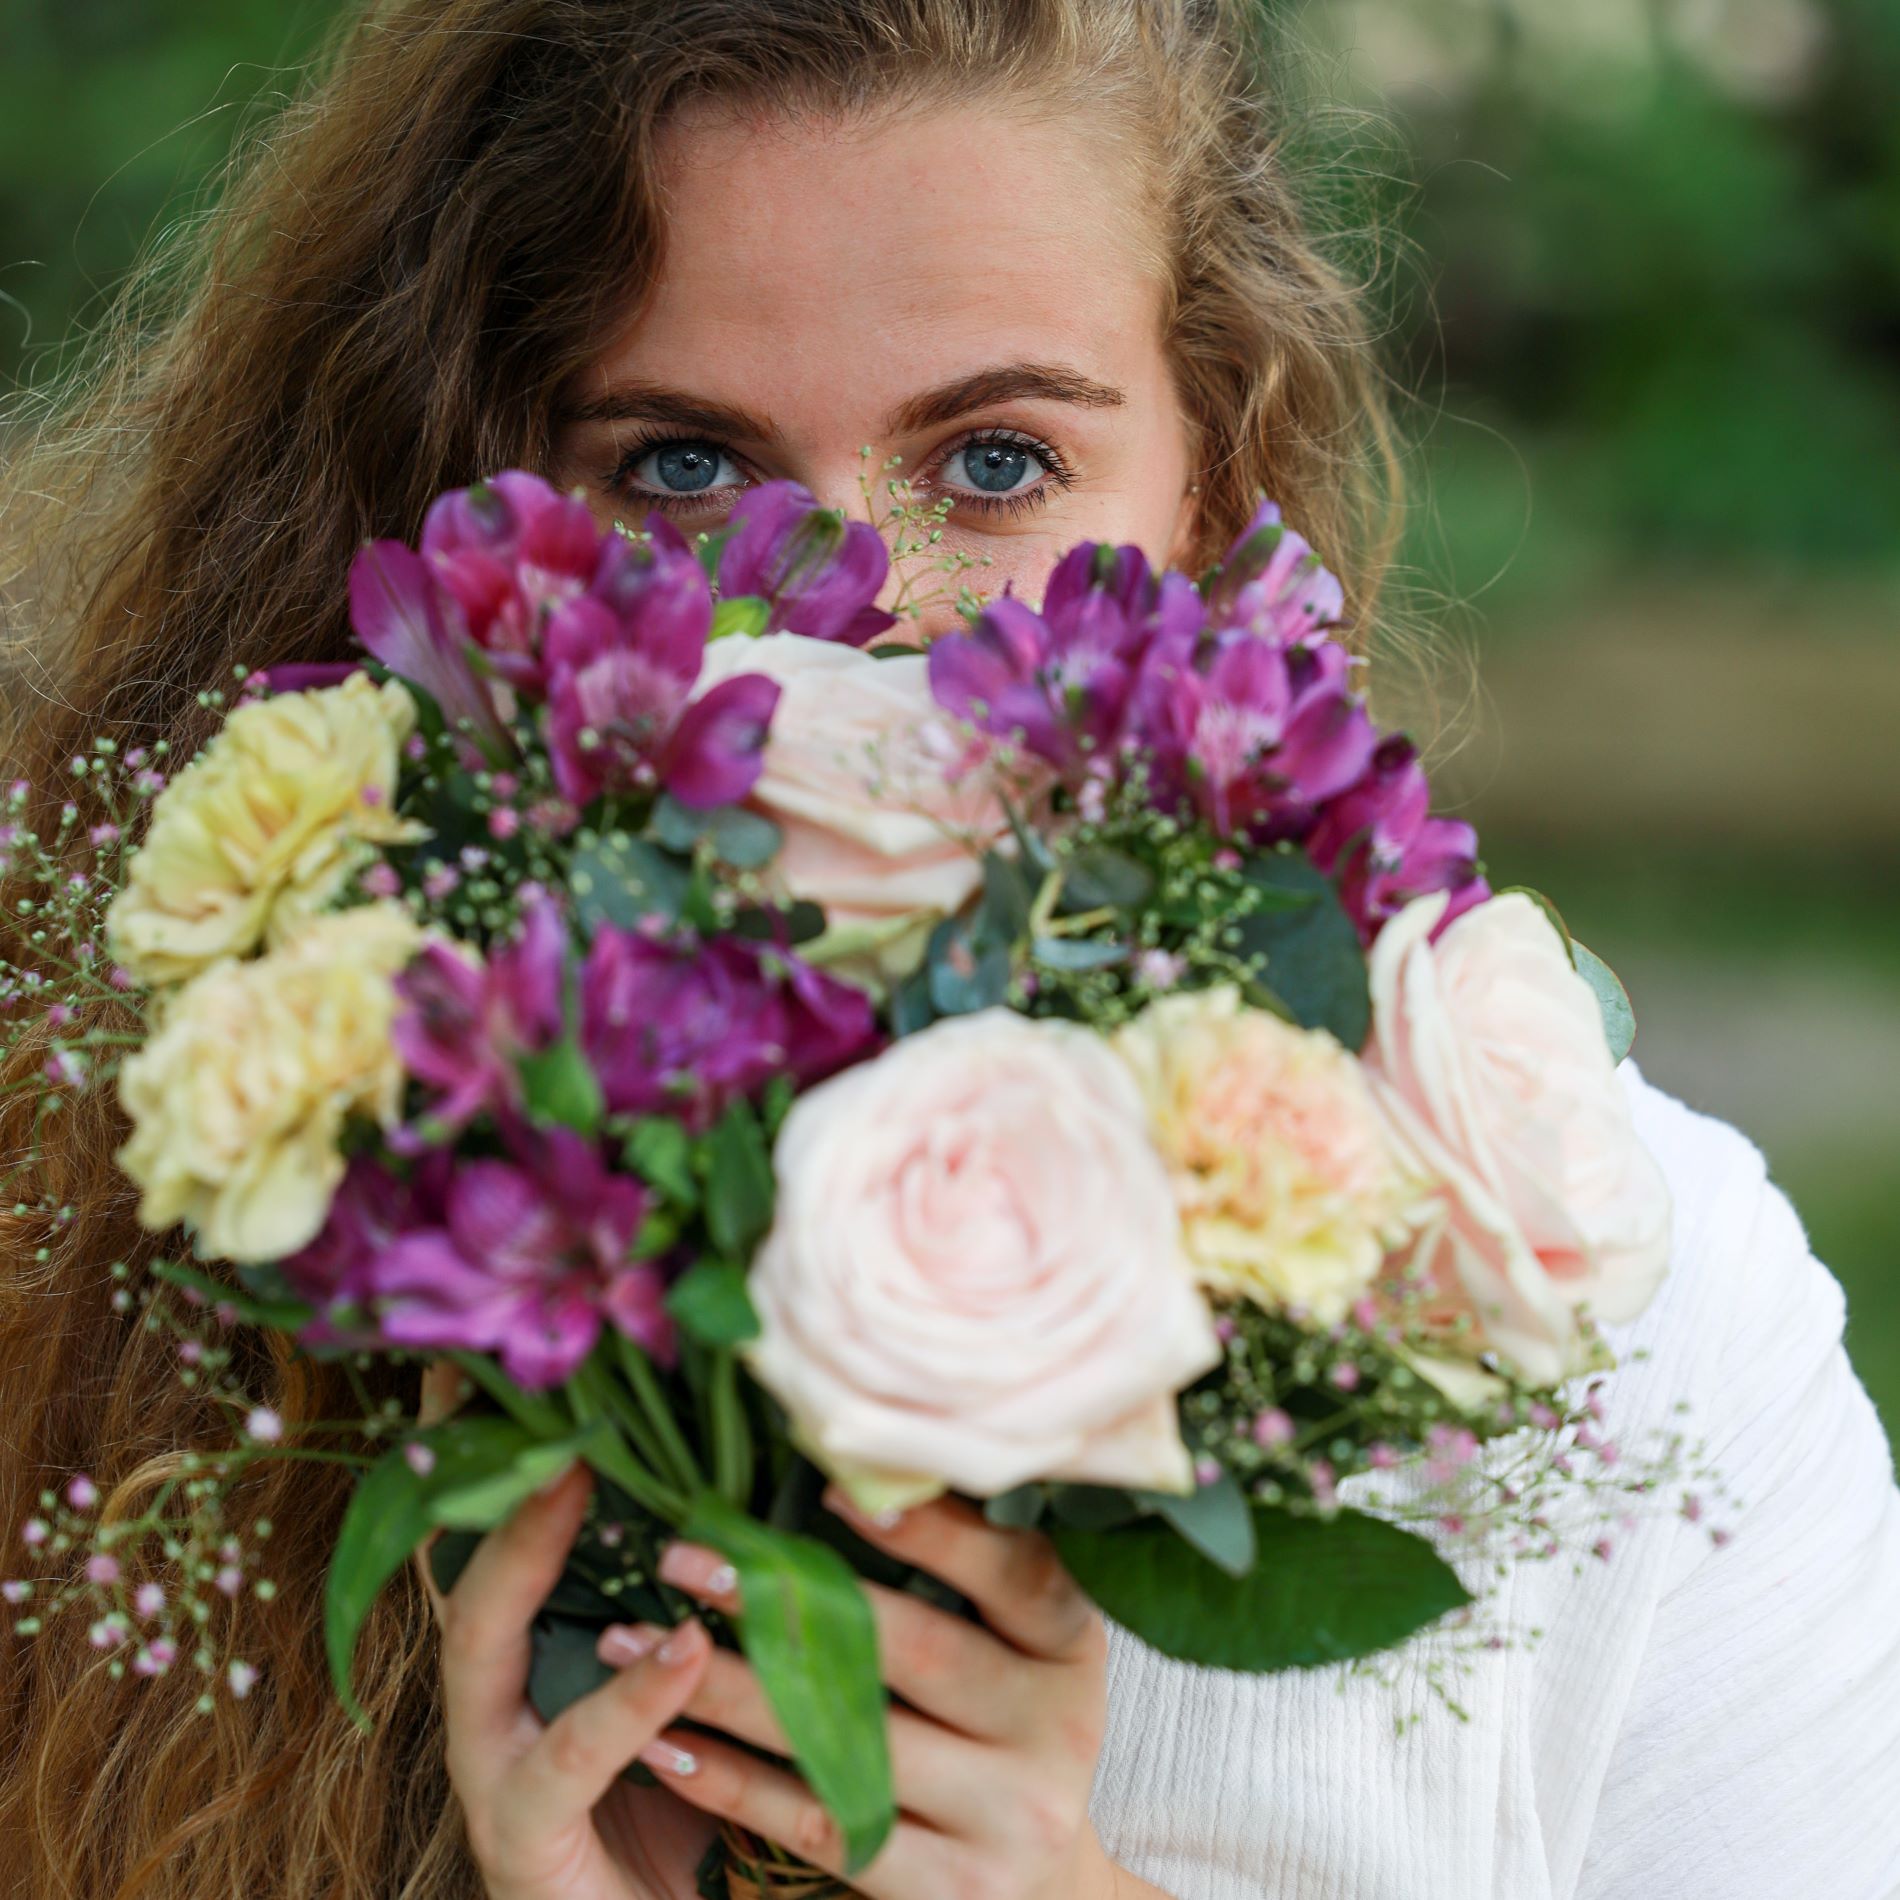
[(403, 271)]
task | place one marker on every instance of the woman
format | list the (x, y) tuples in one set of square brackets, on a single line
[(1044, 251)]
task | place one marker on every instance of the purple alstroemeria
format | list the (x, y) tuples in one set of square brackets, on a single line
[(463, 1023), (622, 660), (819, 573), (533, 1256), (509, 552), (685, 1026), (1382, 844), (373, 1209), (1059, 682), (405, 620), (302, 676), (1271, 584), (1254, 733)]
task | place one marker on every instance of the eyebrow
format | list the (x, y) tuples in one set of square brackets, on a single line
[(641, 401)]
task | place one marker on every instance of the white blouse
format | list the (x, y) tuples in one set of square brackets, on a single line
[(1695, 1724)]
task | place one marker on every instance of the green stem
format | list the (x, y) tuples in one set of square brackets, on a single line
[(533, 1411), (610, 1455), (645, 1387), (731, 1433)]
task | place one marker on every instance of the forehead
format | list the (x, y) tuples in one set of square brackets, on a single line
[(845, 265)]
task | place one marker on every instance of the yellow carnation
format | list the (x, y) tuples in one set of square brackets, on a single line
[(260, 831), (239, 1098), (1288, 1187)]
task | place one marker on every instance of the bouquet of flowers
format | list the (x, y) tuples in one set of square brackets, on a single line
[(1068, 1067)]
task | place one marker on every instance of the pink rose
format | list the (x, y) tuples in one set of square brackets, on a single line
[(975, 1276), (1488, 1055), (880, 830)]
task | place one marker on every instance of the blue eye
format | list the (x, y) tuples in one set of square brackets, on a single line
[(994, 467), (681, 468)]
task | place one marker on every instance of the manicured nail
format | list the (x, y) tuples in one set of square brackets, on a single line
[(621, 1645), (665, 1759), (693, 1568), (846, 1506), (681, 1646)]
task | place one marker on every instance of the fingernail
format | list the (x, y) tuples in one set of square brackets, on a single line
[(681, 1646), (846, 1506), (621, 1645), (665, 1759), (692, 1567)]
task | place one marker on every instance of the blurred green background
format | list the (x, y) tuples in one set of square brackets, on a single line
[(1640, 260)]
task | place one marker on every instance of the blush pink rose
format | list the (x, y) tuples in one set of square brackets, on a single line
[(860, 775), (1489, 1058), (975, 1276)]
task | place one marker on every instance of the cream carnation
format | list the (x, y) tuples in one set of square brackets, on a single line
[(975, 1275), (1283, 1170), (859, 775), (239, 1098), (262, 828), (1488, 1056)]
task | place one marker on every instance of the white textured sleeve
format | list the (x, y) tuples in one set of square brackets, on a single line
[(1759, 1753)]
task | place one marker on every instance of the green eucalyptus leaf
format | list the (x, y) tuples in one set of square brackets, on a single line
[(1093, 1507), (1103, 877), (1315, 963), (710, 1301), (623, 881), (1215, 1518), (1077, 953), (911, 1007), (1321, 1590), (965, 976), (1007, 896), (740, 1187), (1619, 1019), (1017, 1510), (807, 1630)]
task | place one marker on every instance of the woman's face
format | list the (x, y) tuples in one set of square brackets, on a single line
[(966, 290)]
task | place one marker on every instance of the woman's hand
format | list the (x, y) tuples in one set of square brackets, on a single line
[(993, 1744), (548, 1815)]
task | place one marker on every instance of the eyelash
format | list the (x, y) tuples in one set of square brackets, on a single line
[(1058, 474)]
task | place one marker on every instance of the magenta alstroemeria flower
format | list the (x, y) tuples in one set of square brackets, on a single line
[(622, 660), (464, 1023), (684, 1026), (1271, 584), (1058, 682), (373, 1209), (508, 552), (534, 1255), (1254, 733), (819, 574), (405, 620), (1384, 847)]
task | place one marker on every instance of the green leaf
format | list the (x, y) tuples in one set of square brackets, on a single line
[(744, 839), (1018, 1510), (622, 881), (660, 1152), (1003, 918), (390, 1513), (486, 1499), (1077, 953), (740, 1188), (711, 1303), (963, 975), (911, 1007), (1093, 1507), (1214, 1518), (1105, 877), (564, 1666), (1321, 1589), (1314, 962), (744, 615), (1619, 1019), (559, 1085), (806, 1628)]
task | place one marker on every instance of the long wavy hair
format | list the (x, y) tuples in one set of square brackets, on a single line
[(401, 273)]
